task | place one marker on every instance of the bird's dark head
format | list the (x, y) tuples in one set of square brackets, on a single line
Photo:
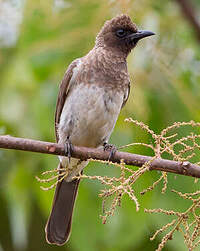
[(120, 33)]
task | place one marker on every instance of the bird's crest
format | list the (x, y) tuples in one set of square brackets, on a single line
[(120, 21)]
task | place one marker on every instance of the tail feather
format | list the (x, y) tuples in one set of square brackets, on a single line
[(58, 226)]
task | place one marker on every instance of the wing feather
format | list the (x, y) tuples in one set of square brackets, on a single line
[(126, 96), (63, 92)]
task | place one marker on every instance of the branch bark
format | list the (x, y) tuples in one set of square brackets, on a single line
[(83, 153), (189, 13)]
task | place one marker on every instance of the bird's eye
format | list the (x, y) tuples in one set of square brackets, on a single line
[(121, 33)]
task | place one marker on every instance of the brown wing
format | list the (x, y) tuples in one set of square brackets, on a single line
[(126, 96), (63, 91)]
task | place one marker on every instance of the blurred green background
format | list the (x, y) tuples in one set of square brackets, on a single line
[(38, 40)]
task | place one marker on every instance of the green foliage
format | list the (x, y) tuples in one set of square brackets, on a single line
[(165, 88)]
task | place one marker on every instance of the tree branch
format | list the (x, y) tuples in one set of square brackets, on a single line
[(189, 12), (83, 153)]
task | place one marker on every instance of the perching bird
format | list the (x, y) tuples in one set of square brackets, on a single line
[(92, 93)]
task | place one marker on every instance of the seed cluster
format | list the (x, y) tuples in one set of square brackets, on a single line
[(169, 142)]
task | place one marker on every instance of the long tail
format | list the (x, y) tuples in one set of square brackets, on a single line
[(58, 226)]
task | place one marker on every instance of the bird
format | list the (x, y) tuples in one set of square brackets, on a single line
[(93, 91)]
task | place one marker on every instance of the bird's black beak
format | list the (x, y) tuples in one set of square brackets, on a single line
[(141, 34)]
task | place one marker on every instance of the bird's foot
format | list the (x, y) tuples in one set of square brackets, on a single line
[(68, 148), (110, 148)]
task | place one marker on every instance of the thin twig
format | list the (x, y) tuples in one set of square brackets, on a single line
[(84, 153)]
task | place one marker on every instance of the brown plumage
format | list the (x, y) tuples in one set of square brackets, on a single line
[(92, 93)]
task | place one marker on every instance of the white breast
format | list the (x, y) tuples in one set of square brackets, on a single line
[(89, 115)]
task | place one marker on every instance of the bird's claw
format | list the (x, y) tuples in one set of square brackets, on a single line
[(110, 148), (68, 148)]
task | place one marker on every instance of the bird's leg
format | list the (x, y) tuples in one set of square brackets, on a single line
[(110, 148), (68, 148)]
